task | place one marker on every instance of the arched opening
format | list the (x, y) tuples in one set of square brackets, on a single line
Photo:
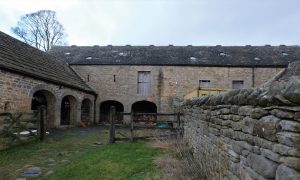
[(68, 110), (46, 99), (86, 111), (144, 107), (105, 108)]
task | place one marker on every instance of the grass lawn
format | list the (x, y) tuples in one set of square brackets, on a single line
[(72, 155)]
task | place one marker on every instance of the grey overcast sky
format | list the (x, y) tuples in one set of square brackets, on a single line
[(164, 22)]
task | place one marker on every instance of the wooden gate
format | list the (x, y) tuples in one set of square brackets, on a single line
[(174, 126), (20, 128)]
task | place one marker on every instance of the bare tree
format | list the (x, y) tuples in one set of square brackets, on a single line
[(40, 29)]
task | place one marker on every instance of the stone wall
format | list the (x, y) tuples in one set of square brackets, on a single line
[(248, 134), (17, 91), (168, 83)]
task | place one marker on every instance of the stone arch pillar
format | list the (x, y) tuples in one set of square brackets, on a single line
[(43, 91), (87, 110)]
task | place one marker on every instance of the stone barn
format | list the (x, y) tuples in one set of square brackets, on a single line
[(155, 78), (80, 83), (30, 78)]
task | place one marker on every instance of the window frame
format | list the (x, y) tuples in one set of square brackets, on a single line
[(204, 81), (241, 82)]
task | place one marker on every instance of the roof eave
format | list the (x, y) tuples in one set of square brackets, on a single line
[(46, 79)]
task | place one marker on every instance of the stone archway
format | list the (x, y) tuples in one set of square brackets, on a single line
[(105, 108), (47, 99), (86, 111), (144, 107), (68, 111)]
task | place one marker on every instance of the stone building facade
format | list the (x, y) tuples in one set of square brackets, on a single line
[(81, 83), (168, 83), (113, 71), (30, 78)]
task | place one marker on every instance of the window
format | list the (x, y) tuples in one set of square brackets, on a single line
[(143, 82), (204, 83), (237, 84)]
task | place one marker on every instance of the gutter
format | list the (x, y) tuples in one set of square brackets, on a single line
[(191, 65)]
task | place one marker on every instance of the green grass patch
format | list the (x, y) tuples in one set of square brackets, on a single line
[(73, 155), (116, 161)]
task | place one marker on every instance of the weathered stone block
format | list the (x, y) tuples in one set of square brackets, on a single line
[(257, 113), (266, 127), (239, 146), (245, 110), (234, 109), (270, 154), (234, 157), (292, 162), (297, 116), (227, 132), (286, 150), (231, 176), (285, 173), (248, 174), (282, 114), (292, 90), (262, 165), (240, 136), (287, 125), (248, 125), (237, 126), (224, 111), (262, 142), (237, 117), (289, 139)]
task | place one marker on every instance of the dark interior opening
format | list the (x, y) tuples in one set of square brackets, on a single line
[(65, 111), (144, 107), (38, 99), (105, 108), (86, 110)]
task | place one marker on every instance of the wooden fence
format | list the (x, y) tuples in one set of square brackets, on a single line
[(21, 128), (133, 125)]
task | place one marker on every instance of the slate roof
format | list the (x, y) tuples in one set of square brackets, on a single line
[(21, 58), (258, 56)]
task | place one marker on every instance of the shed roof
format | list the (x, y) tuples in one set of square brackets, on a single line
[(258, 56), (21, 58)]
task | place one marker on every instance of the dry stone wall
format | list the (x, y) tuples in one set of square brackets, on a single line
[(248, 134)]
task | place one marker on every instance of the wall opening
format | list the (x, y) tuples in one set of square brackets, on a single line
[(46, 99), (86, 111), (144, 82), (105, 108), (68, 110), (144, 107)]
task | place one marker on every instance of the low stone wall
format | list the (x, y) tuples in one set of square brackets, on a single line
[(247, 134)]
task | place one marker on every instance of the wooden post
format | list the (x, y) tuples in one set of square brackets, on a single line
[(178, 124), (178, 119), (131, 126), (112, 114), (41, 123)]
